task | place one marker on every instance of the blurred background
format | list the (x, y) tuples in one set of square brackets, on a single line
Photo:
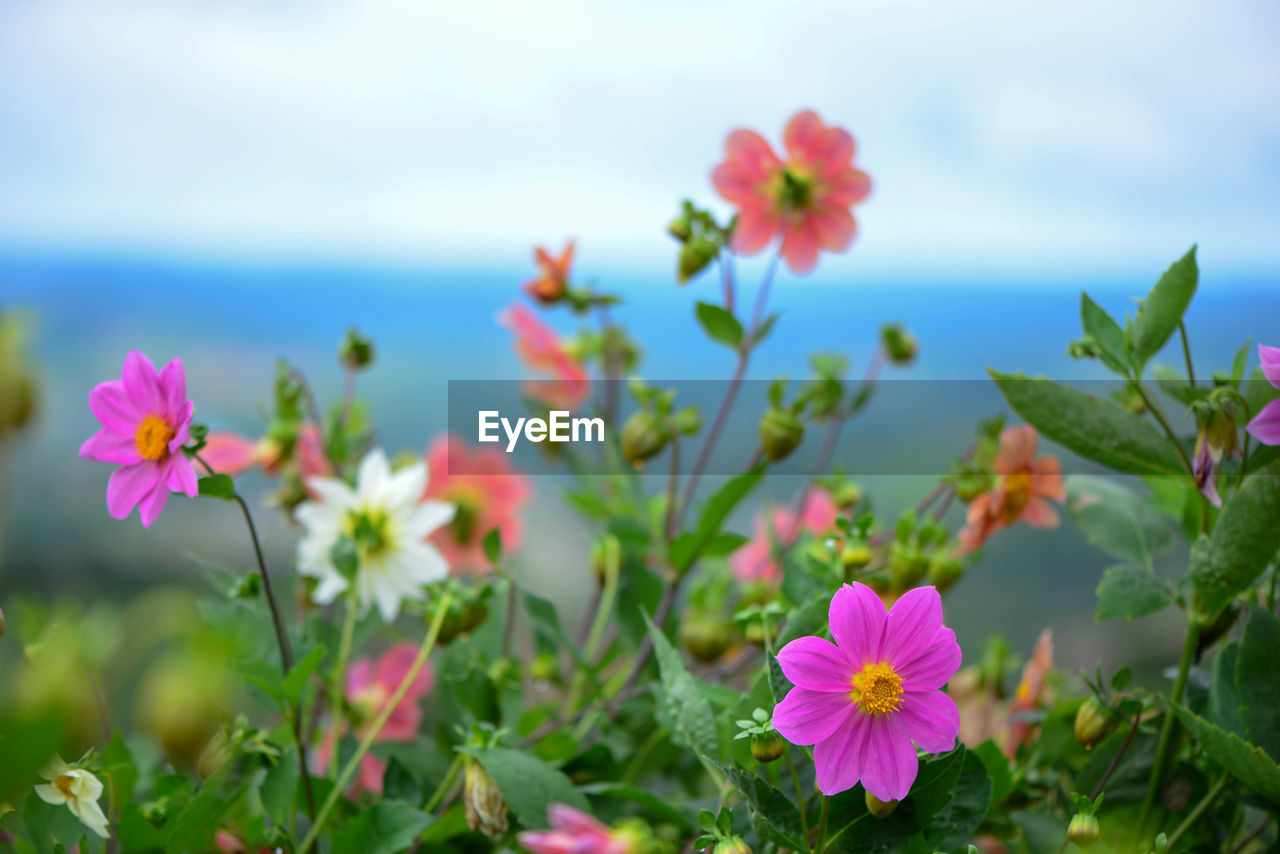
[(232, 182)]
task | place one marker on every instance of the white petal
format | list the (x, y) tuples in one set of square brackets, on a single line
[(50, 795), (332, 491), (405, 487), (54, 768), (428, 516), (421, 563), (330, 587), (372, 477)]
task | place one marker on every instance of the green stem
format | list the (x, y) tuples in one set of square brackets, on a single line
[(445, 785), (1186, 353), (800, 799), (1158, 413), (1198, 810), (822, 826), (1166, 728), (336, 679), (375, 728)]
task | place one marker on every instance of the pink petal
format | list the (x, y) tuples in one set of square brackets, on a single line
[(914, 621), (152, 504), (1040, 514), (182, 425), (180, 476), (750, 152), (891, 764), (841, 760), (112, 407), (1047, 478), (1265, 427), (359, 677), (858, 622), (142, 384), (800, 246), (108, 447), (755, 229), (396, 663), (836, 228), (807, 717), (933, 665), (817, 664), (227, 453), (1017, 449), (847, 188), (173, 386), (1270, 358), (372, 770), (566, 818), (129, 485), (931, 719)]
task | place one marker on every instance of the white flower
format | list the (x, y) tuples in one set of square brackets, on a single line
[(389, 524), (76, 788)]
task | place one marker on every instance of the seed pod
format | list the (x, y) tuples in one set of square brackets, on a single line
[(1084, 830), (486, 810), (643, 436), (768, 746), (879, 808), (780, 433), (1093, 724)]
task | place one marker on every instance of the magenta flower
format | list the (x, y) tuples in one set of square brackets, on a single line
[(864, 699), (1265, 426), (146, 419), (574, 832)]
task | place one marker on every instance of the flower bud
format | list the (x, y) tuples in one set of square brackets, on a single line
[(753, 632), (504, 670), (486, 810), (695, 255), (847, 494), (906, 566), (768, 746), (181, 701), (780, 433), (705, 635), (680, 228), (643, 436), (356, 351), (879, 808), (854, 556), (606, 558), (1084, 830), (945, 571), (1093, 724), (899, 344), (731, 845), (545, 667)]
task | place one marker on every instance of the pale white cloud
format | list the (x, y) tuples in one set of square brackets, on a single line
[(1000, 134)]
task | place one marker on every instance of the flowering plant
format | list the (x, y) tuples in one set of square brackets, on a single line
[(405, 687)]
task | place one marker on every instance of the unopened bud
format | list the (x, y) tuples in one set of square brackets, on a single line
[(906, 566), (879, 808), (356, 351), (545, 667), (731, 845), (643, 436), (1093, 724), (695, 255), (780, 433), (846, 495), (899, 344), (768, 746), (504, 671), (606, 558), (680, 228), (1084, 830), (855, 556), (486, 810), (945, 571), (705, 635)]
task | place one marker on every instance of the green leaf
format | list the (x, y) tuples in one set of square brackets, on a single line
[(997, 765), (1173, 383), (687, 548), (1105, 332), (1258, 680), (195, 826), (218, 486), (649, 801), (1117, 520), (493, 546), (773, 814), (117, 763), (719, 324), (1224, 702), (1244, 540), (1158, 317), (1246, 762), (296, 681), (528, 784), (766, 326), (1130, 592), (279, 787), (955, 823), (384, 828), (1093, 428), (685, 700)]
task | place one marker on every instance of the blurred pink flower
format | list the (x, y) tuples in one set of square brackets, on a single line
[(1265, 426), (487, 492), (553, 275), (757, 561), (540, 348), (574, 832), (863, 700), (370, 685), (805, 198), (146, 419), (1030, 694), (1025, 488), (232, 454)]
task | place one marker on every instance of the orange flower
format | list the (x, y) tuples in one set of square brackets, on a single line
[(1025, 488), (805, 198), (488, 494), (540, 348), (553, 275), (1030, 693)]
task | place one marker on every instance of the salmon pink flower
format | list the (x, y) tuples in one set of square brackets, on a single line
[(1265, 426), (574, 832), (540, 348), (146, 419), (232, 454), (369, 687), (1030, 694), (757, 561), (1025, 488), (552, 281), (864, 699), (805, 198), (487, 494)]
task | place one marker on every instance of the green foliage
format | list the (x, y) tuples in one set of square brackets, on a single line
[(383, 828), (1244, 761), (528, 784), (719, 325), (1243, 542), (1161, 312), (1128, 592)]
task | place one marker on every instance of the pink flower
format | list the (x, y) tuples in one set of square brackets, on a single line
[(541, 349), (487, 492), (146, 419), (574, 832), (1265, 426), (757, 561), (1030, 694), (805, 198), (864, 699), (553, 275), (1025, 488), (369, 688), (232, 454)]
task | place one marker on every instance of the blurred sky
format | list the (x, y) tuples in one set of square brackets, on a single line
[(1002, 136)]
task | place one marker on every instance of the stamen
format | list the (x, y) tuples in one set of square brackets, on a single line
[(878, 689), (152, 437)]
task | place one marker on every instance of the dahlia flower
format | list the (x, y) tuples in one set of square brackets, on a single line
[(1265, 426), (553, 275), (540, 348), (488, 494), (574, 832), (757, 561), (1025, 488)]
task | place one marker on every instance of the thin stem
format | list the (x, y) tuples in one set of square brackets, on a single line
[(337, 678), (1155, 410), (1115, 760), (1199, 809), (375, 728), (443, 789), (800, 799), (1186, 353), (1166, 728), (822, 826), (673, 484), (1253, 834), (508, 631)]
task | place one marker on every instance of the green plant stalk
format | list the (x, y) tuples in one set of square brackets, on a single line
[(338, 676), (1199, 809), (353, 764), (800, 799), (604, 609), (1186, 353), (445, 785), (1166, 728), (822, 827), (1158, 414)]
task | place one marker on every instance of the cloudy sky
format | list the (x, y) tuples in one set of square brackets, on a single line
[(1002, 136)]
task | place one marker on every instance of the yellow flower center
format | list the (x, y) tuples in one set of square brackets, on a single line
[(64, 784), (152, 437), (370, 528), (878, 689), (792, 188), (1017, 492)]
